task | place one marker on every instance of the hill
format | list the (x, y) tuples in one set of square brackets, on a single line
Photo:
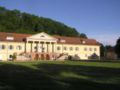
[(18, 22)]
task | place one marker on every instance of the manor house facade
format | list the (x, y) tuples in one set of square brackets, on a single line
[(42, 46)]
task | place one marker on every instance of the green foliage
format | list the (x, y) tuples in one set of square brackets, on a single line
[(117, 47), (109, 48), (14, 57), (102, 50), (82, 35), (15, 21)]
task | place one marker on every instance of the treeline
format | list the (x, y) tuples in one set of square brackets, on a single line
[(15, 21), (111, 49)]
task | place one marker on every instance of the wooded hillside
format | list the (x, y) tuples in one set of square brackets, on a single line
[(16, 21)]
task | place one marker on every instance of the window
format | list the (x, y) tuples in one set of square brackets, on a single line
[(65, 48), (76, 48), (19, 47), (10, 57), (85, 49), (2, 47), (95, 49), (83, 42), (71, 48), (58, 48), (90, 49), (86, 55), (10, 47), (9, 38)]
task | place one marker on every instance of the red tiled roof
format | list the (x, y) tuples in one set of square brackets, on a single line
[(61, 39), (17, 37), (76, 40)]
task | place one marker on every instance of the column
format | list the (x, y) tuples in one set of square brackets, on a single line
[(42, 46), (25, 49), (36, 46), (52, 47), (31, 46), (47, 46)]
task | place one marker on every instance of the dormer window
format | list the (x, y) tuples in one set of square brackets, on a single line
[(9, 38), (61, 40), (83, 42)]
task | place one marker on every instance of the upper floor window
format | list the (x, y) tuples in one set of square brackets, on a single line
[(71, 48), (65, 48), (95, 49), (76, 48), (2, 47), (10, 47), (90, 49), (85, 49)]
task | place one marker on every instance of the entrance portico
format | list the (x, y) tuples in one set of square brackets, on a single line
[(42, 45)]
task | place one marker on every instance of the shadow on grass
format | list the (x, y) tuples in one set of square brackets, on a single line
[(57, 77)]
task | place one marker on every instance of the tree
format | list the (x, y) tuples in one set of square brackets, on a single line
[(102, 50), (14, 57), (108, 48), (16, 21), (82, 35), (117, 47)]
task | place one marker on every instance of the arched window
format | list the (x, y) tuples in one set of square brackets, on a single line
[(65, 48), (76, 48), (95, 49), (19, 47), (10, 47), (90, 49), (85, 49), (2, 47), (71, 48)]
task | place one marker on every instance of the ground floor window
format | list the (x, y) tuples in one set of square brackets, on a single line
[(19, 47), (10, 57)]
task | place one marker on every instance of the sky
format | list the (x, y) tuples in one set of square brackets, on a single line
[(98, 19)]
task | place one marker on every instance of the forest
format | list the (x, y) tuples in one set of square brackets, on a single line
[(22, 22)]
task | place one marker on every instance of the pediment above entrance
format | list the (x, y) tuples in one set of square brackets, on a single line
[(42, 37)]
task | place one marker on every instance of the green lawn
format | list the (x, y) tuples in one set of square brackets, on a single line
[(54, 75)]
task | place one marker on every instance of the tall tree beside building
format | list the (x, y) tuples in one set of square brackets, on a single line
[(117, 47), (102, 50)]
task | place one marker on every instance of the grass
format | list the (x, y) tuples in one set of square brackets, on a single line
[(67, 75)]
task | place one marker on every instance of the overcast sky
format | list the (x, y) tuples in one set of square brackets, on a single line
[(99, 19)]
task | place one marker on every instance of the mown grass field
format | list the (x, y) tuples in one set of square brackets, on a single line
[(54, 75)]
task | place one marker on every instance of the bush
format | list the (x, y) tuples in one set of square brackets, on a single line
[(94, 56), (14, 57)]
